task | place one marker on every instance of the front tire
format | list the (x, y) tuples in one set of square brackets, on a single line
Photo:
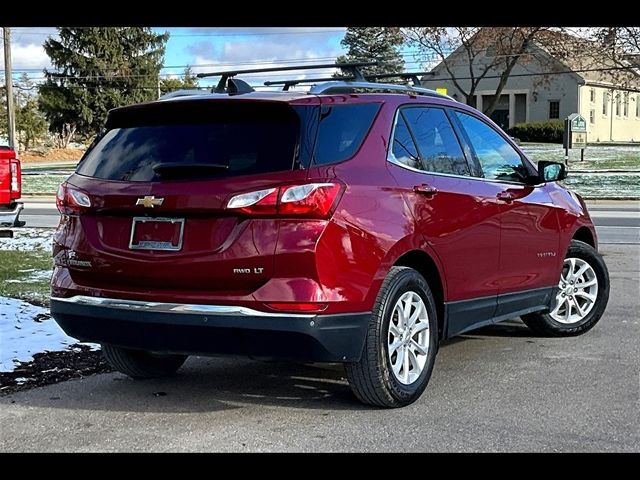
[(582, 296), (139, 364), (401, 344)]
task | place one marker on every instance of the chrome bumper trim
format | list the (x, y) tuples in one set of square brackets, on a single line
[(136, 305), (10, 217)]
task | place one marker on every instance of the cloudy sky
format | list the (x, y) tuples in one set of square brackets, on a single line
[(207, 49)]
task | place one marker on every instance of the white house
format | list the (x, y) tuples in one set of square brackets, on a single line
[(533, 94)]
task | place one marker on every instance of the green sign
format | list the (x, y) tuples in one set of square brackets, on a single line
[(578, 123)]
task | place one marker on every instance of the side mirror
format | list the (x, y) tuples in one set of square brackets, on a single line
[(551, 171)]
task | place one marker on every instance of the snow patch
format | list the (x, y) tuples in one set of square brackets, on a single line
[(28, 239), (25, 330)]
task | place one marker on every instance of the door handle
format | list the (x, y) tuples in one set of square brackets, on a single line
[(425, 189), (506, 196)]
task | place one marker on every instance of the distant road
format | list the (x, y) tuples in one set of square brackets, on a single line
[(616, 222)]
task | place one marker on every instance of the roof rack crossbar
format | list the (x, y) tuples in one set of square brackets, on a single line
[(352, 68), (413, 76), (290, 83)]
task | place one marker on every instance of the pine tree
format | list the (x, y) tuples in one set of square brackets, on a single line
[(188, 80), (367, 44), (97, 69)]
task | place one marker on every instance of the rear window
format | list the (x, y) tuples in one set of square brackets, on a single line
[(161, 140), (342, 130)]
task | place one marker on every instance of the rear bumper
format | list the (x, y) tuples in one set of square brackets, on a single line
[(211, 329), (9, 215)]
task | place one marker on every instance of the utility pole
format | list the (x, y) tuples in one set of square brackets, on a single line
[(11, 113)]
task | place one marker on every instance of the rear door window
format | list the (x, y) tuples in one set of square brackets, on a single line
[(170, 142)]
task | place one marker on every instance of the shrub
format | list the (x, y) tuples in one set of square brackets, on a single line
[(548, 132)]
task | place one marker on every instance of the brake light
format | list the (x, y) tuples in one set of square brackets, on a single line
[(71, 201), (309, 200), (15, 188)]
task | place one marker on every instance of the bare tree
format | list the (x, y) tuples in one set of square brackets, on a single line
[(487, 52), (619, 47)]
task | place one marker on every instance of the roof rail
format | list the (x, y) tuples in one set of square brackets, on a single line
[(180, 93), (349, 87), (223, 86)]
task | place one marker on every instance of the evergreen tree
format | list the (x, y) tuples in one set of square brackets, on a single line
[(368, 44), (188, 80), (97, 69)]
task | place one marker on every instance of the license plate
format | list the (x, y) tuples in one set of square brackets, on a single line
[(158, 233)]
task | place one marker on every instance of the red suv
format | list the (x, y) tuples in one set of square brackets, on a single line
[(357, 223)]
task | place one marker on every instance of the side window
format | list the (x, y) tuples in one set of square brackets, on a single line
[(498, 159), (342, 130), (437, 143), (403, 149)]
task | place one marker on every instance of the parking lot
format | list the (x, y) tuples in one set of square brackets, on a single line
[(495, 389)]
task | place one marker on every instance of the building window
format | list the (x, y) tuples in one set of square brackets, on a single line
[(605, 103), (554, 109), (638, 106), (625, 105), (592, 95), (592, 116), (618, 104)]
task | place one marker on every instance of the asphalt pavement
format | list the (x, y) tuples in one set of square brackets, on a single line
[(499, 388)]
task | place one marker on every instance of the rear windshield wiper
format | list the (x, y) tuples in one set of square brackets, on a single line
[(183, 168)]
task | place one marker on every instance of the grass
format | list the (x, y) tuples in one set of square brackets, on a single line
[(42, 184), (601, 157), (610, 185), (26, 275)]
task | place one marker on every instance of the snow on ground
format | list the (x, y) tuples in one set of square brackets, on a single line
[(34, 276), (27, 239), (25, 330)]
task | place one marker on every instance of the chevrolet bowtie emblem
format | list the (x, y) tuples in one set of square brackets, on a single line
[(150, 201)]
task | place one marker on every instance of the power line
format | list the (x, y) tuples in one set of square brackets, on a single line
[(264, 62), (329, 70), (558, 72), (249, 34)]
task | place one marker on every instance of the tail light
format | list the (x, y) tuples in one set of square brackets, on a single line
[(309, 200), (15, 188), (71, 200)]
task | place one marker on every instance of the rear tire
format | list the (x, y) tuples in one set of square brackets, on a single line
[(403, 322), (139, 364), (565, 319)]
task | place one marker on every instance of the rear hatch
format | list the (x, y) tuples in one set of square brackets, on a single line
[(158, 181)]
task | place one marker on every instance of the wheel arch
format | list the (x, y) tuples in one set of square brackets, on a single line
[(584, 234), (422, 262)]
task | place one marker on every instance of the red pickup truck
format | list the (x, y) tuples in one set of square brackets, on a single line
[(10, 188)]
